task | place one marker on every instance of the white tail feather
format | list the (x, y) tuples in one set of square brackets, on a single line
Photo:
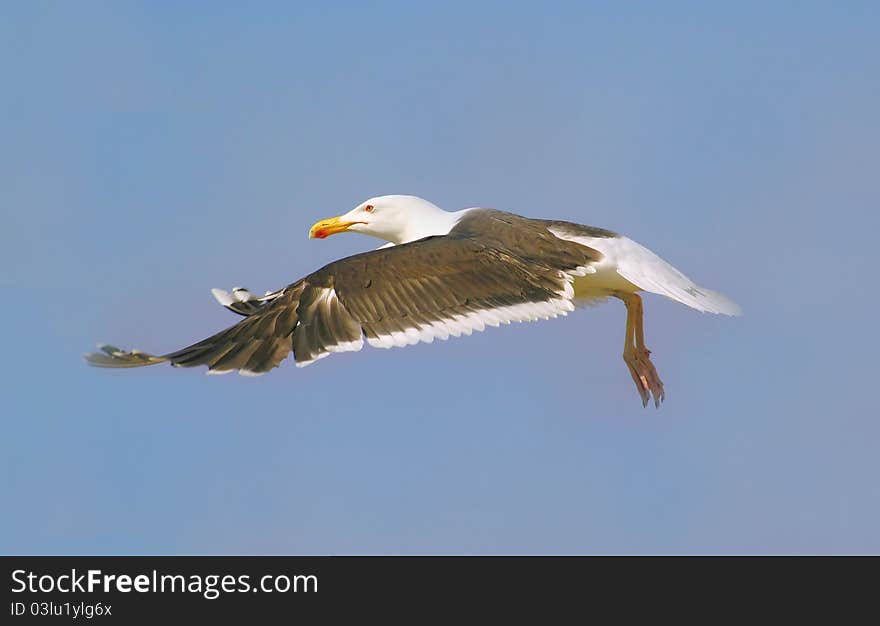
[(647, 271)]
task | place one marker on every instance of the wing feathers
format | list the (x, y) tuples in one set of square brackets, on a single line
[(433, 288), (255, 345)]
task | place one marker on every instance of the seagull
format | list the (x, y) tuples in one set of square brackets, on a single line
[(441, 274)]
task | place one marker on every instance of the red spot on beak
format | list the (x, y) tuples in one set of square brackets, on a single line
[(320, 234)]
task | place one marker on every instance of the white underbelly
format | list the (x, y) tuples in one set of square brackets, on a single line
[(605, 280), (595, 288)]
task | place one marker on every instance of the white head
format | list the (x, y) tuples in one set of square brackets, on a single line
[(397, 219)]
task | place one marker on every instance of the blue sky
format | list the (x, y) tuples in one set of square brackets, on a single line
[(152, 151)]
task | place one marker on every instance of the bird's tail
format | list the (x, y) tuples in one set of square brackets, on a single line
[(648, 271)]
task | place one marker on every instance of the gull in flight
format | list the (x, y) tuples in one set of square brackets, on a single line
[(441, 274)]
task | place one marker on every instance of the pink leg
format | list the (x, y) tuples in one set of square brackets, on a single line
[(636, 356)]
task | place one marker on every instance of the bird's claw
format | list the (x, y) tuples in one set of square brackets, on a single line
[(645, 376)]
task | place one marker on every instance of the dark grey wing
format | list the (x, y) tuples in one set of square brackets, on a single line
[(494, 268), (578, 230), (243, 302), (255, 345), (487, 273)]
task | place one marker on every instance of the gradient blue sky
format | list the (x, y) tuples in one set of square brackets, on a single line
[(153, 150)]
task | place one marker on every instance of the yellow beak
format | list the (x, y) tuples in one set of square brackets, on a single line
[(325, 228)]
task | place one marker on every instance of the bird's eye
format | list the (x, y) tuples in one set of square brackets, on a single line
[(369, 208)]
